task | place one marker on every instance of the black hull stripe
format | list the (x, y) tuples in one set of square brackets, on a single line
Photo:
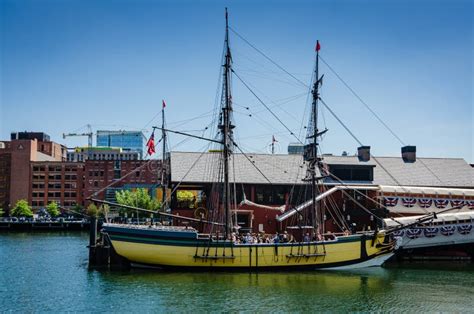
[(161, 240)]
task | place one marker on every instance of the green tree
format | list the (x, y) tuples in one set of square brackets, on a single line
[(138, 198), (53, 209), (1, 212), (21, 209), (92, 210)]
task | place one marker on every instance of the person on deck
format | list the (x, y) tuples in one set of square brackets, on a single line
[(307, 237), (276, 239)]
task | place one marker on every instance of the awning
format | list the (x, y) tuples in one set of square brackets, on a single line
[(448, 217), (425, 190)]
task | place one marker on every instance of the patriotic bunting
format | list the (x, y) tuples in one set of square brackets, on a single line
[(413, 233), (470, 204), (399, 233), (456, 203), (441, 203), (408, 201), (464, 229), (447, 230), (391, 201), (430, 232), (425, 202)]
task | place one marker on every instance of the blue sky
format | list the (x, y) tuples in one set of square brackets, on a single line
[(65, 64)]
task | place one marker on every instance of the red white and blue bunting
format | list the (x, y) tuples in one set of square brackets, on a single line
[(464, 229), (391, 201), (470, 204), (414, 233), (442, 203), (456, 203), (408, 201), (430, 232), (425, 202), (448, 230)]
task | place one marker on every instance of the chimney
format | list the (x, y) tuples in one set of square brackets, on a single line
[(409, 153), (363, 152)]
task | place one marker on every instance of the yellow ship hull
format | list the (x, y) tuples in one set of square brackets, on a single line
[(141, 247)]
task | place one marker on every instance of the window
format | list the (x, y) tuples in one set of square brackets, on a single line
[(259, 194), (70, 194), (352, 172), (54, 185), (39, 177), (54, 168), (71, 185), (279, 193)]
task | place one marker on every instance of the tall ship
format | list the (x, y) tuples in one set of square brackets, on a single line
[(214, 240)]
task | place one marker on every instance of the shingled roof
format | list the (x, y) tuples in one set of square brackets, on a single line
[(201, 167), (290, 169)]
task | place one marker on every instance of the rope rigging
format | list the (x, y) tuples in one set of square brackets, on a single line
[(266, 106), (356, 95)]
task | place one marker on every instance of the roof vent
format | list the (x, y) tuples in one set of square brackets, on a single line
[(409, 153), (363, 152)]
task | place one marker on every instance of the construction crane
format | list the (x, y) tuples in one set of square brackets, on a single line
[(89, 135)]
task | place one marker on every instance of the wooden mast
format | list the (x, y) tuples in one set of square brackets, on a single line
[(226, 128), (314, 161), (164, 185)]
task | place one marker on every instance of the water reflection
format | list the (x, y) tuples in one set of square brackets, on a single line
[(287, 291)]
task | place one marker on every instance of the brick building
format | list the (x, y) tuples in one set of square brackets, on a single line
[(71, 183), (35, 169), (15, 158), (98, 174), (60, 182)]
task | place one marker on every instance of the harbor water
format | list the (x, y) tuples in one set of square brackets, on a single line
[(48, 272)]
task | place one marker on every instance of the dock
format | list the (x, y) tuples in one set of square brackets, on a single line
[(36, 225)]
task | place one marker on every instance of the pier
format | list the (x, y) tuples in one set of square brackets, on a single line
[(7, 225)]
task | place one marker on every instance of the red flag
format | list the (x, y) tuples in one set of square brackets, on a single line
[(318, 46), (164, 104), (151, 144)]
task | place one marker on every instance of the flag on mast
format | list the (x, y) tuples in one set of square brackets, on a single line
[(274, 139), (164, 104), (318, 46), (151, 144)]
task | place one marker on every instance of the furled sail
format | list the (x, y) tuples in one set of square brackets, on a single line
[(245, 201), (250, 203)]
